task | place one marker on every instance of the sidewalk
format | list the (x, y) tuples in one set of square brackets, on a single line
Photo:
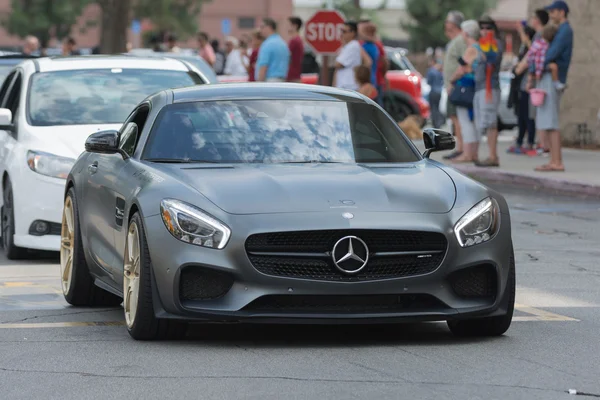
[(581, 176)]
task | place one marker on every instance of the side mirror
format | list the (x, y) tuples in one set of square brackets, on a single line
[(437, 140), (105, 142), (6, 119)]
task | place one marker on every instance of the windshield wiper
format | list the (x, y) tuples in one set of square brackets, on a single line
[(177, 161)]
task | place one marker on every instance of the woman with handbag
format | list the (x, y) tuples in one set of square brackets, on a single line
[(463, 93)]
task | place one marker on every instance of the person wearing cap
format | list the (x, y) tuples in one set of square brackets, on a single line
[(560, 53), (234, 63), (454, 50)]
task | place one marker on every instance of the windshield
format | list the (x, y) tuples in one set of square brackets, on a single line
[(96, 96), (282, 131)]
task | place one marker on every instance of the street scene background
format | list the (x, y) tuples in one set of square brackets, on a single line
[(50, 350)]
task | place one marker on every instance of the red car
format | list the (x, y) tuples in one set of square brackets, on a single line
[(403, 97)]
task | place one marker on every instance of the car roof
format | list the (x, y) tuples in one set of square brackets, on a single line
[(264, 91), (68, 63)]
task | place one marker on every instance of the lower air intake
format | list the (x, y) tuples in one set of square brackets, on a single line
[(197, 283)]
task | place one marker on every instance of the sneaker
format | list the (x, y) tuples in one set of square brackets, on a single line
[(560, 87), (533, 152)]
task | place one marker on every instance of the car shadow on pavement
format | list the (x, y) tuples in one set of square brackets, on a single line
[(281, 336)]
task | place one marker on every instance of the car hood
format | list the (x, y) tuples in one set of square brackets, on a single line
[(258, 189), (66, 141)]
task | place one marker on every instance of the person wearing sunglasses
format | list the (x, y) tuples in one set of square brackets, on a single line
[(351, 55)]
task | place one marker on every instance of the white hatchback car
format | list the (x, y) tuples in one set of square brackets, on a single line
[(48, 108)]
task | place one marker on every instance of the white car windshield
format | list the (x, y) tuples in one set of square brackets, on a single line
[(96, 96), (276, 131)]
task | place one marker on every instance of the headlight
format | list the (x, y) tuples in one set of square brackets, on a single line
[(49, 164), (191, 225), (479, 224)]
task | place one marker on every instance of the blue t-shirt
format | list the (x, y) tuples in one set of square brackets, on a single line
[(561, 50), (435, 80), (275, 55), (373, 52)]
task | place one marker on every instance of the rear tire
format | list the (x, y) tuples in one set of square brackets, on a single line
[(397, 107), (491, 326), (140, 319), (11, 251), (76, 281)]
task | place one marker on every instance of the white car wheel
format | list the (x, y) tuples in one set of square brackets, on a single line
[(131, 280)]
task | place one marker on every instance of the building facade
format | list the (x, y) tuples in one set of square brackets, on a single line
[(581, 103), (240, 16)]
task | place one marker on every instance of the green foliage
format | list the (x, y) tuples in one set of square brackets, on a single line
[(43, 18), (177, 16), (427, 27), (352, 12)]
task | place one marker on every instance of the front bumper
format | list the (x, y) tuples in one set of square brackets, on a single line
[(37, 197), (170, 256)]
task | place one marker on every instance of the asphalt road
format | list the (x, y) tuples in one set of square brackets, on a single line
[(51, 351)]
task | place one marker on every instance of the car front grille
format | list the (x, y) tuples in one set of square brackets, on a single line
[(307, 254), (330, 304)]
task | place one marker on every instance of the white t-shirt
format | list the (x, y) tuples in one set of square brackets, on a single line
[(350, 58), (233, 64)]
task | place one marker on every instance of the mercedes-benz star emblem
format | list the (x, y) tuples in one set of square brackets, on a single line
[(350, 254)]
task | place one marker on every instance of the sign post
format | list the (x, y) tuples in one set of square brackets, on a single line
[(323, 33)]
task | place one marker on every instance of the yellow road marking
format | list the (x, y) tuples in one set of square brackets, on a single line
[(18, 284), (539, 315), (60, 324)]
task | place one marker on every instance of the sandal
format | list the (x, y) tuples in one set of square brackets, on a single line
[(549, 168), (487, 163)]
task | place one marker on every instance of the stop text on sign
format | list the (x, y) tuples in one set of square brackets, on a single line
[(324, 31)]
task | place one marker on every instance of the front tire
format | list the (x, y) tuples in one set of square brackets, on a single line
[(140, 319), (76, 281), (491, 326), (11, 251)]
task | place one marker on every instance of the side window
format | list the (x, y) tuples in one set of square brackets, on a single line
[(133, 129), (5, 87), (14, 96), (129, 138)]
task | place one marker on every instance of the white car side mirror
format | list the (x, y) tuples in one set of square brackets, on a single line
[(5, 119)]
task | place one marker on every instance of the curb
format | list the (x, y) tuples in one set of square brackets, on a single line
[(534, 182)]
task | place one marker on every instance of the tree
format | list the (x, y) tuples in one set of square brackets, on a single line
[(116, 16), (352, 11), (427, 27), (174, 16), (43, 18)]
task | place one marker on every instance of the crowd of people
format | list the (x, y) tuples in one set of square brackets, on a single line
[(470, 73), (264, 56)]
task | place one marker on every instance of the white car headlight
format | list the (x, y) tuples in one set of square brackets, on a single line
[(49, 164), (192, 225), (479, 224)]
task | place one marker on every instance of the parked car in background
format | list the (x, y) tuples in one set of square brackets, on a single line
[(403, 98), (187, 56), (507, 118)]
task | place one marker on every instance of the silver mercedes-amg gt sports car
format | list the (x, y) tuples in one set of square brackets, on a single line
[(280, 203)]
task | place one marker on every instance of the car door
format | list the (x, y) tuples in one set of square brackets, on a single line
[(126, 185), (9, 99), (99, 208)]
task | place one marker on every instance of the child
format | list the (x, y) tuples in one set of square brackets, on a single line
[(362, 74), (537, 57)]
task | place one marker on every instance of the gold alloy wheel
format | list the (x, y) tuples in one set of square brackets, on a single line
[(131, 279), (67, 236)]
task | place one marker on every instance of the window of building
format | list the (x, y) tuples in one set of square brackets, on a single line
[(246, 22)]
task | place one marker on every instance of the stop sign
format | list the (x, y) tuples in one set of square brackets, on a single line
[(323, 31)]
